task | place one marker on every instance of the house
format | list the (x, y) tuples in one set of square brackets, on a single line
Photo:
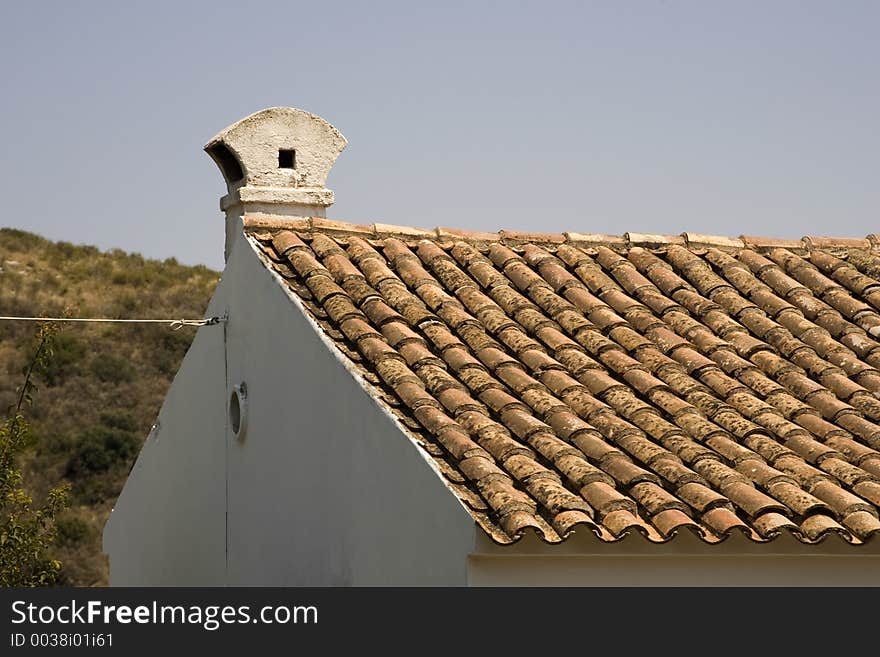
[(385, 405)]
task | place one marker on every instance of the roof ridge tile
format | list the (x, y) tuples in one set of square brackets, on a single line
[(255, 222), (812, 242)]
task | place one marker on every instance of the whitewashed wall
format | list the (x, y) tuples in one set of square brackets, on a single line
[(584, 560), (168, 526), (323, 489)]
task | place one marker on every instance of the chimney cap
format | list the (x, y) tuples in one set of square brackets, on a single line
[(278, 147)]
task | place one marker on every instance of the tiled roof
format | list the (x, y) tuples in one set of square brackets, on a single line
[(643, 383)]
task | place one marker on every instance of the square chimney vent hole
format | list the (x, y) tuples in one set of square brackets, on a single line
[(286, 159)]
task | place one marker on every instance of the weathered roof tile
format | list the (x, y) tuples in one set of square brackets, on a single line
[(644, 383)]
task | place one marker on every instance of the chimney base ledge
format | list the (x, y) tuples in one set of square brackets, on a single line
[(278, 196)]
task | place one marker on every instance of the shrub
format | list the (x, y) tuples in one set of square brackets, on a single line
[(53, 442), (119, 420), (65, 250), (127, 303), (166, 362), (19, 240), (101, 448), (67, 355), (72, 530), (176, 342), (111, 368), (27, 531)]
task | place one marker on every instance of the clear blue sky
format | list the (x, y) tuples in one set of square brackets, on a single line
[(723, 118)]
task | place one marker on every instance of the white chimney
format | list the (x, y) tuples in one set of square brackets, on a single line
[(275, 163)]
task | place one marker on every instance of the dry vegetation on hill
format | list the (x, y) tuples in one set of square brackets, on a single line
[(101, 391)]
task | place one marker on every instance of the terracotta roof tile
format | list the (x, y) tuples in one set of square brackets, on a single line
[(523, 237), (473, 235), (642, 384), (588, 241), (697, 241), (836, 243), (650, 240), (763, 243)]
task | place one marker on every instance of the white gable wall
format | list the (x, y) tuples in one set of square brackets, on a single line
[(323, 489), (168, 526)]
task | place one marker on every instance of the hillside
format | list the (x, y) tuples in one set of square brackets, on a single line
[(103, 388)]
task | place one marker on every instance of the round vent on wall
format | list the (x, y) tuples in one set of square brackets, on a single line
[(238, 410)]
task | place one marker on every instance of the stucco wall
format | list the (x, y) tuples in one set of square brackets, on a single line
[(168, 526), (584, 560), (323, 489)]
